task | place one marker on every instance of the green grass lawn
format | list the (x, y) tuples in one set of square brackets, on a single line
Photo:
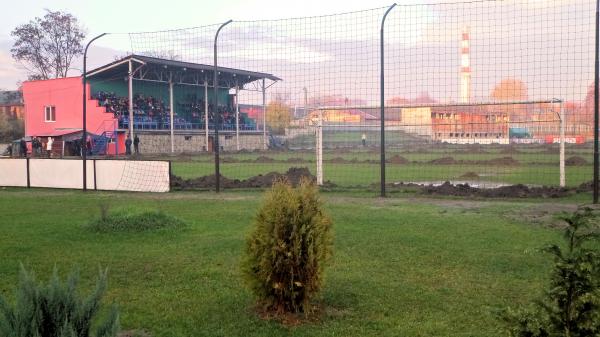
[(401, 267), (363, 174), (537, 165)]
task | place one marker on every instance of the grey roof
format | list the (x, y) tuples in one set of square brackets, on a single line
[(186, 72), (13, 97)]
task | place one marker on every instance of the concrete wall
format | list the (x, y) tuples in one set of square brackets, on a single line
[(114, 175), (161, 142), (13, 172)]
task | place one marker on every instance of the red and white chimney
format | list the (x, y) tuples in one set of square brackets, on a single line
[(465, 67)]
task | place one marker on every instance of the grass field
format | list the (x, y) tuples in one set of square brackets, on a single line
[(404, 266), (535, 165)]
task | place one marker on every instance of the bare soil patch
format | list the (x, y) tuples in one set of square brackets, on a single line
[(470, 175), (293, 175), (576, 161), (397, 159)]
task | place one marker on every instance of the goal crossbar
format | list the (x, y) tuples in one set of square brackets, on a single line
[(438, 105)]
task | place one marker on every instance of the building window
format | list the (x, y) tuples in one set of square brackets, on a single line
[(50, 114), (187, 137)]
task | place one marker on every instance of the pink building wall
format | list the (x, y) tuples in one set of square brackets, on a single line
[(65, 95)]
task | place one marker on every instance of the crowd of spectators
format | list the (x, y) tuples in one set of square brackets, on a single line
[(151, 109), (142, 105)]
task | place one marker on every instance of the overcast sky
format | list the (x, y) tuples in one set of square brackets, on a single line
[(546, 43), (99, 16)]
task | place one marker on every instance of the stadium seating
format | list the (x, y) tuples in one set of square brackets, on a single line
[(150, 113)]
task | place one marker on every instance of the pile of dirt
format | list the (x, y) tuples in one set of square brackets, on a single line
[(576, 161), (443, 161), (397, 159), (470, 175), (228, 160), (513, 191), (293, 175), (264, 159), (338, 160)]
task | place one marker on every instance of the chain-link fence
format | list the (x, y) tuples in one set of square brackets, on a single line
[(483, 92)]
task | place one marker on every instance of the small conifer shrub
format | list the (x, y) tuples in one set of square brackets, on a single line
[(287, 248), (56, 309), (570, 307)]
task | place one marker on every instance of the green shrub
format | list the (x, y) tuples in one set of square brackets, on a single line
[(287, 248), (127, 221), (571, 305), (55, 309)]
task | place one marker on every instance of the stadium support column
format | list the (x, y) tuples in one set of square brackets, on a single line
[(382, 103), (206, 115), (237, 117), (264, 115), (562, 145), (172, 113), (130, 96), (84, 117)]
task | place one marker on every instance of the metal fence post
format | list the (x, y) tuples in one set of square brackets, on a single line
[(596, 115), (84, 136), (382, 103), (216, 110)]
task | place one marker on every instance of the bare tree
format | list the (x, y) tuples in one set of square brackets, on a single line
[(47, 46)]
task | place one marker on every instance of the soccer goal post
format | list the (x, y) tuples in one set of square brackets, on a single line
[(443, 118)]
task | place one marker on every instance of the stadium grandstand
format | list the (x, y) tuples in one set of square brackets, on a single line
[(168, 104)]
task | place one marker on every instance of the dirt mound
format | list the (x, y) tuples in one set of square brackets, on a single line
[(397, 159), (501, 161), (443, 161), (228, 160), (264, 159), (338, 160), (470, 175), (513, 191), (576, 161), (293, 175)]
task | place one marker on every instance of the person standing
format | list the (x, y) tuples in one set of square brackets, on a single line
[(49, 146), (364, 139), (23, 147), (136, 144), (128, 146)]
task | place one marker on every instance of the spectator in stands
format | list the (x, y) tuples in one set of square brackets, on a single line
[(49, 146), (136, 144), (128, 146), (23, 147)]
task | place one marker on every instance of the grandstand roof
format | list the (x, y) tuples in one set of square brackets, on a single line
[(161, 70)]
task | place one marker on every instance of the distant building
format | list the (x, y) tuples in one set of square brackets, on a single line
[(417, 120), (350, 116), (470, 126), (11, 104)]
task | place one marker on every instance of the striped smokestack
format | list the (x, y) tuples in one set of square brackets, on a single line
[(465, 67)]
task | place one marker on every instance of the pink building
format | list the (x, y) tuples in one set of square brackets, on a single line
[(54, 109)]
